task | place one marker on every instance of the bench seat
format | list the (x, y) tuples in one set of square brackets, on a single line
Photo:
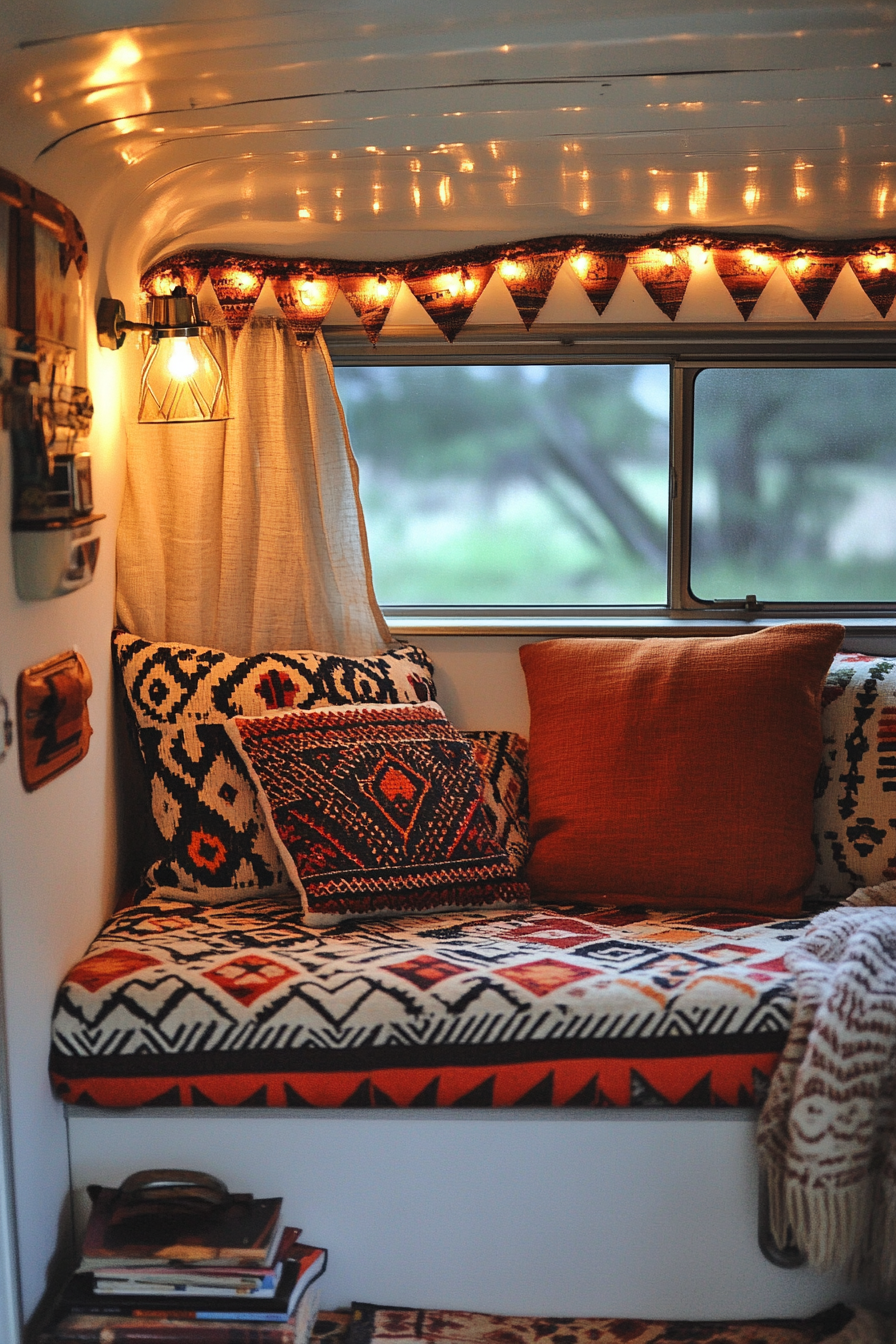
[(562, 1005)]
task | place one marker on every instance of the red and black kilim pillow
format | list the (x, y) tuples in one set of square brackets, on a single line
[(377, 810), (214, 839)]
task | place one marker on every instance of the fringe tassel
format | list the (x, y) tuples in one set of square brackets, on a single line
[(852, 1231)]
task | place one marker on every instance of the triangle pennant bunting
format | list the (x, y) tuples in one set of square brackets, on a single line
[(745, 272), (876, 273), (812, 276), (449, 294), (305, 297), (371, 296), (664, 274), (162, 279), (74, 248), (530, 278), (448, 287), (236, 287), (599, 274)]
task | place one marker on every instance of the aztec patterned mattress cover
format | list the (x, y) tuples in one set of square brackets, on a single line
[(562, 1005)]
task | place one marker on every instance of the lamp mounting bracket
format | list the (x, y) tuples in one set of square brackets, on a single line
[(112, 325)]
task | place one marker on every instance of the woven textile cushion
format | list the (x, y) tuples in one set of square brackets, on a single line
[(855, 793), (503, 762), (216, 844), (377, 810), (678, 771)]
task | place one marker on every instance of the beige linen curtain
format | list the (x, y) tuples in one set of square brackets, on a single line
[(248, 534)]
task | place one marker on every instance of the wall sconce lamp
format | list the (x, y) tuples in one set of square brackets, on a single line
[(185, 373)]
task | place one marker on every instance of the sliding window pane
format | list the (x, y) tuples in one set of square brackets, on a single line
[(513, 484), (795, 485)]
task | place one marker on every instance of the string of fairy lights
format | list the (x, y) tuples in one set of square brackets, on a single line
[(448, 286)]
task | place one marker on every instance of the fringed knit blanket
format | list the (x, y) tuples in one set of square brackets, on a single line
[(827, 1133)]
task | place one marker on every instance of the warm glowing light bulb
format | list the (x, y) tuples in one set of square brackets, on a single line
[(312, 293), (759, 261), (800, 264), (580, 264), (879, 261), (243, 280), (667, 258), (382, 287), (469, 284), (182, 363), (454, 284), (698, 257), (510, 270)]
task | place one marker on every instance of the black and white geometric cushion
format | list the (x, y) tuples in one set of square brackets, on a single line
[(215, 843)]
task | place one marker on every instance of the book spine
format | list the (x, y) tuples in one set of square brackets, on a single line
[(92, 1331)]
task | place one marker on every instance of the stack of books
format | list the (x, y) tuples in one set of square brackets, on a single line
[(233, 1277)]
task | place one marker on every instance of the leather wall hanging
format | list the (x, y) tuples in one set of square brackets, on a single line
[(54, 729)]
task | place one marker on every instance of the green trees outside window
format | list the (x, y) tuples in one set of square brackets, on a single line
[(548, 484)]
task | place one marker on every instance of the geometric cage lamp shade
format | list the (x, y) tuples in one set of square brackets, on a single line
[(185, 376)]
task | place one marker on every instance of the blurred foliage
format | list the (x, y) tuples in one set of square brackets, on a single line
[(549, 484), (796, 472)]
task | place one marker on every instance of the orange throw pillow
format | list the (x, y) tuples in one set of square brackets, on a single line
[(678, 771)]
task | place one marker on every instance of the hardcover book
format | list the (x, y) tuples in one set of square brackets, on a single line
[(239, 1232)]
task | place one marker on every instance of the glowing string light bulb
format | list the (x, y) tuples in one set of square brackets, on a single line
[(311, 292), (757, 261), (510, 270)]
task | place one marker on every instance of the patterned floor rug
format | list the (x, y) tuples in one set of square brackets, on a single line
[(368, 1324)]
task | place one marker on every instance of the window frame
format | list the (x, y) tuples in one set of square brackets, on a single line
[(686, 350)]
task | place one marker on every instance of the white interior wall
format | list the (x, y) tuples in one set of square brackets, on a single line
[(595, 1213), (57, 845)]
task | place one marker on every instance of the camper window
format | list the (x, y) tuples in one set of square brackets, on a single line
[(627, 478), (522, 485), (794, 484)]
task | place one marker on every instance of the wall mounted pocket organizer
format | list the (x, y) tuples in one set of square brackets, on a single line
[(54, 728), (54, 539)]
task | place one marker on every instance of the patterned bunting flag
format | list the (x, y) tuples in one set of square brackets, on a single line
[(305, 297), (745, 272), (371, 296), (163, 279), (449, 293), (876, 273), (74, 246), (237, 285), (664, 274), (530, 278), (599, 273), (448, 286), (812, 276)]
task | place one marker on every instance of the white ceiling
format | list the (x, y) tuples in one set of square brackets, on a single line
[(395, 127)]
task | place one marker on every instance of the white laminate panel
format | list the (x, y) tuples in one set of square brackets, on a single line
[(593, 1214)]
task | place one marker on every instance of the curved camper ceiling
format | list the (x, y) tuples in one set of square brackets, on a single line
[(390, 127)]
